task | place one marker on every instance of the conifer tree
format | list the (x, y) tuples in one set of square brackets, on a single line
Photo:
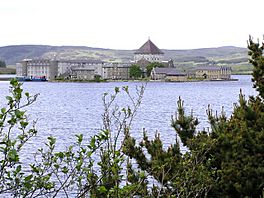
[(2, 63), (227, 161)]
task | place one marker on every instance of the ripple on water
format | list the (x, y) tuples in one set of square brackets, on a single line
[(66, 109)]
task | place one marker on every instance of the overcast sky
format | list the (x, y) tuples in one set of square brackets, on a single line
[(127, 24)]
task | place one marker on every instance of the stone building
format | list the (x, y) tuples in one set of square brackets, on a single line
[(213, 72), (88, 69), (82, 73), (148, 53), (167, 74), (37, 68), (168, 63), (116, 71), (74, 68)]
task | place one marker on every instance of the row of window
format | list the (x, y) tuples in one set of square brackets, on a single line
[(38, 64), (37, 72), (150, 58)]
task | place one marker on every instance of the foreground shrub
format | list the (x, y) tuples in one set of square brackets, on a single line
[(227, 161)]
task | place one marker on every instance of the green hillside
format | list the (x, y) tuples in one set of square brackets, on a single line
[(234, 57)]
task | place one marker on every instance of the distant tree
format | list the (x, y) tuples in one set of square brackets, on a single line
[(135, 72), (2, 63), (97, 78), (153, 65)]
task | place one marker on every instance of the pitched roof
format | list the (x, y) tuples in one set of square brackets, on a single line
[(168, 71), (143, 62), (149, 48), (212, 68), (84, 61)]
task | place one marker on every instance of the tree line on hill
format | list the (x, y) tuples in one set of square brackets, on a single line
[(228, 161)]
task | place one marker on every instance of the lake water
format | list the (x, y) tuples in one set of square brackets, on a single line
[(65, 109)]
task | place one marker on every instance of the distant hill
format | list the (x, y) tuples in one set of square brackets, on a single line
[(234, 57)]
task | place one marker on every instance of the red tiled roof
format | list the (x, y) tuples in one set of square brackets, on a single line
[(149, 48)]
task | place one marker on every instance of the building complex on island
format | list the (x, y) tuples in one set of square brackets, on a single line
[(91, 69)]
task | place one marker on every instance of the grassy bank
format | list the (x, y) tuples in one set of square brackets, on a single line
[(7, 71)]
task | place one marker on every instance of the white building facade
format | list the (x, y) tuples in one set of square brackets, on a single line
[(37, 68)]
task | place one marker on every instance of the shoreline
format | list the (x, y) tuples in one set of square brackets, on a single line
[(6, 77), (109, 81)]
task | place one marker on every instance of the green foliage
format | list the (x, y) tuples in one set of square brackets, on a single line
[(257, 60), (2, 64), (135, 72), (12, 141), (97, 78), (184, 125), (92, 168), (226, 161), (153, 65)]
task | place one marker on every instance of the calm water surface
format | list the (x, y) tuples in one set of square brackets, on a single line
[(65, 109)]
